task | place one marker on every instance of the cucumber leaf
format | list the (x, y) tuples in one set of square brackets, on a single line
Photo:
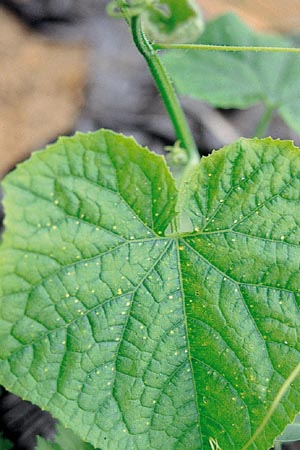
[(239, 79), (64, 440), (135, 337), (4, 443)]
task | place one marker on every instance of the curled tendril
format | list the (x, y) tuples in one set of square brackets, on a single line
[(132, 7)]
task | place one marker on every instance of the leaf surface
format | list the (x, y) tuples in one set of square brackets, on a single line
[(135, 338), (239, 79), (64, 440), (4, 443)]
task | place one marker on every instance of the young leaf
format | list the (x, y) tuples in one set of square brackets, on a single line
[(239, 79), (64, 440), (174, 21), (164, 20), (4, 443), (136, 339)]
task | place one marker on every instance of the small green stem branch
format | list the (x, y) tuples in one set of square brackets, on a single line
[(166, 90), (225, 48), (264, 121)]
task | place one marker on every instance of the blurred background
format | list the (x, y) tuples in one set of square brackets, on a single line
[(65, 66)]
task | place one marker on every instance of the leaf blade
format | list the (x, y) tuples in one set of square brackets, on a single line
[(245, 286), (87, 267), (4, 443), (238, 79), (153, 341), (64, 440)]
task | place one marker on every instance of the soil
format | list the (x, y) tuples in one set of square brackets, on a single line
[(266, 15), (33, 110)]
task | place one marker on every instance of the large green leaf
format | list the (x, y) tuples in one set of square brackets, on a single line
[(239, 79), (64, 440), (137, 338)]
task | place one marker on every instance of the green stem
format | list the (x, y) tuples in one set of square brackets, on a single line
[(264, 121), (166, 90), (225, 48)]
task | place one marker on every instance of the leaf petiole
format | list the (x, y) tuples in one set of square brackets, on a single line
[(166, 90)]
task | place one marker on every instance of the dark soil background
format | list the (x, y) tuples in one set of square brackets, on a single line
[(119, 95)]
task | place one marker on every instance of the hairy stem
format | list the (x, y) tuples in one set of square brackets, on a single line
[(225, 48), (166, 90), (264, 121)]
